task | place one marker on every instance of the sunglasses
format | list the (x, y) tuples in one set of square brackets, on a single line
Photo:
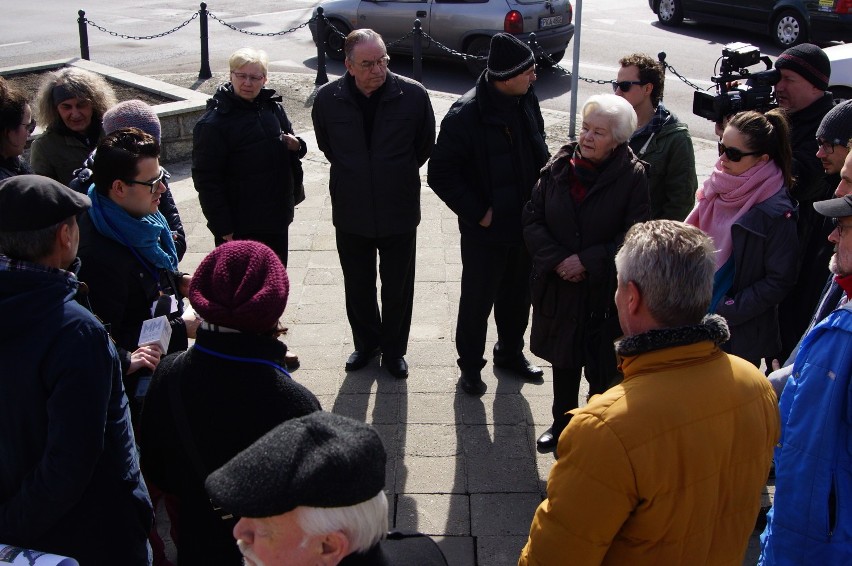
[(735, 154), (625, 86), (153, 184)]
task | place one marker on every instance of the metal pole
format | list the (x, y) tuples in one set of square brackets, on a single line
[(661, 56), (322, 30), (417, 51), (204, 72), (575, 71), (84, 35)]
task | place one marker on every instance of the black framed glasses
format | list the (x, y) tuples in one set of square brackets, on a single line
[(839, 227), (153, 184), (31, 126), (625, 86), (735, 154), (242, 77), (826, 146)]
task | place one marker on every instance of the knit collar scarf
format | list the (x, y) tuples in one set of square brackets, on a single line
[(150, 235), (724, 198), (583, 175), (658, 120), (712, 327)]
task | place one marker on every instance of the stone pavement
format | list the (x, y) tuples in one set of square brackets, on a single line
[(461, 468)]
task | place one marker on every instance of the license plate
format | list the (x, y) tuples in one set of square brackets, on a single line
[(549, 22)]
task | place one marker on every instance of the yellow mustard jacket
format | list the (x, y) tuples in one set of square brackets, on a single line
[(665, 469)]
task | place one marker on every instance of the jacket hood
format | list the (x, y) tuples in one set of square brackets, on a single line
[(33, 300)]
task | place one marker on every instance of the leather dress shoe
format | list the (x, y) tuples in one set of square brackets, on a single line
[(359, 359), (471, 382), (520, 365), (547, 441), (397, 367)]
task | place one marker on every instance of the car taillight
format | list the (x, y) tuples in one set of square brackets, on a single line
[(514, 22), (570, 12), (843, 7)]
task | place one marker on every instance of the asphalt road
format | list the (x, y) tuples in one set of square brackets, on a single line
[(47, 30)]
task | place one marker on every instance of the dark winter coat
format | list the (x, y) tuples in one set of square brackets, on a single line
[(69, 470), (475, 164), (399, 549), (241, 168), (57, 154), (121, 290), (228, 405), (765, 252), (375, 187), (555, 228), (13, 166)]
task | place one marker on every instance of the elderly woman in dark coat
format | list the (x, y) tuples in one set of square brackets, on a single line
[(587, 197)]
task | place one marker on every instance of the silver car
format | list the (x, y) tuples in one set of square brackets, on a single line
[(465, 26)]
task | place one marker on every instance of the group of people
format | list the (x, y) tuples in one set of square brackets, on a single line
[(608, 240)]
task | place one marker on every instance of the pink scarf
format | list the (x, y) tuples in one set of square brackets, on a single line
[(724, 198)]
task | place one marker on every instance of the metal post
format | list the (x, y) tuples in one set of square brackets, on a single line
[(417, 52), (322, 30), (204, 72), (575, 71), (661, 56), (84, 35)]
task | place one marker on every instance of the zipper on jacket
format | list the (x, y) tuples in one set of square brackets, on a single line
[(832, 507)]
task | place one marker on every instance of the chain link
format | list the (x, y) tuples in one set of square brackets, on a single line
[(140, 37), (259, 34), (681, 77)]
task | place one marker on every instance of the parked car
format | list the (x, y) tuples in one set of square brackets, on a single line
[(465, 26), (840, 83), (788, 22)]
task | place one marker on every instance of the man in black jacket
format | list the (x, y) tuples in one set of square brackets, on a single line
[(69, 471), (376, 129), (488, 156)]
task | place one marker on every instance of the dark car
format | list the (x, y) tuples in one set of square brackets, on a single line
[(788, 22), (464, 26)]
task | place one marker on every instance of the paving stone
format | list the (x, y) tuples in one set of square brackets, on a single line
[(499, 551), (497, 473), (438, 474), (502, 514), (431, 440), (434, 514), (459, 551), (432, 408)]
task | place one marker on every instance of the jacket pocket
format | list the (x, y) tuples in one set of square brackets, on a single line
[(545, 295)]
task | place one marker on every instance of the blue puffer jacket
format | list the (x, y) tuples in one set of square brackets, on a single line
[(811, 521)]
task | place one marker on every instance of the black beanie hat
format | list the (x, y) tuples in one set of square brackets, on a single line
[(809, 61), (319, 460), (508, 57), (836, 126)]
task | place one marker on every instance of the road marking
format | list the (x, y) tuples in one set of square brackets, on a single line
[(13, 44)]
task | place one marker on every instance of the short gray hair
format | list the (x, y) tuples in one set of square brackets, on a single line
[(364, 524), (31, 245), (622, 116), (672, 264), (358, 36)]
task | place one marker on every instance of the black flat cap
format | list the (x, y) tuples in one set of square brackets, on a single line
[(33, 202), (835, 208), (319, 460)]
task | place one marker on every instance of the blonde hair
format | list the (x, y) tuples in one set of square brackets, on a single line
[(83, 85), (248, 56)]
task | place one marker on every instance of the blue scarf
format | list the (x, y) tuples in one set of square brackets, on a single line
[(150, 235)]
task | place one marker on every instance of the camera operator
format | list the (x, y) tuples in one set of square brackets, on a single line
[(801, 91)]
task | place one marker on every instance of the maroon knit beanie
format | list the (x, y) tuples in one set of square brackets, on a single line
[(241, 285)]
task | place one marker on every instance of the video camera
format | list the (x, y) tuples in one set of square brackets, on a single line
[(736, 58)]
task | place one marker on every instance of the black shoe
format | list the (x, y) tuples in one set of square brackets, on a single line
[(397, 367), (359, 359), (520, 365), (547, 441), (471, 382)]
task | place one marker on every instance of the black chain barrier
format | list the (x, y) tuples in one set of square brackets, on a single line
[(140, 37), (260, 34)]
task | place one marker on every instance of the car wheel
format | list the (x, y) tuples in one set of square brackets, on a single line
[(670, 12), (841, 93), (334, 40), (554, 59), (789, 29), (479, 47)]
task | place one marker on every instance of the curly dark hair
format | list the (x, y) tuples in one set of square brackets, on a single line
[(650, 71)]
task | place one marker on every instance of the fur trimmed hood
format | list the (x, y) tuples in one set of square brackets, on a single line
[(712, 327)]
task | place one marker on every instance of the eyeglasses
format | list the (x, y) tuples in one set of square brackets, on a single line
[(735, 154), (826, 146), (840, 227), (625, 86), (31, 126), (380, 63), (243, 77), (154, 184)]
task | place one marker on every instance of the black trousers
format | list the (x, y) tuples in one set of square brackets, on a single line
[(371, 329), (277, 242), (493, 276)]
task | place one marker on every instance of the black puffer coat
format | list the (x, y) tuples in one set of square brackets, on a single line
[(554, 229), (475, 166), (241, 168)]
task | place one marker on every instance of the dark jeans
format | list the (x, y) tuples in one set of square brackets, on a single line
[(389, 329), (493, 275), (277, 242)]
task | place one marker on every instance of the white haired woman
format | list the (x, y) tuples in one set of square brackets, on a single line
[(587, 197)]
